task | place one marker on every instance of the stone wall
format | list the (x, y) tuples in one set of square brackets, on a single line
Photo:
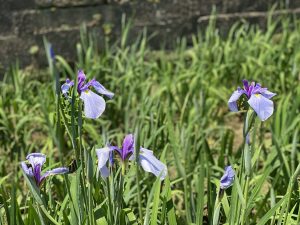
[(23, 23)]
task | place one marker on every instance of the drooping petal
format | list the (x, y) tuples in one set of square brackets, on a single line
[(228, 178), (94, 105), (27, 170), (232, 102), (36, 159), (103, 155), (56, 171), (268, 94), (101, 89), (104, 171), (262, 106), (127, 146), (151, 164), (66, 86)]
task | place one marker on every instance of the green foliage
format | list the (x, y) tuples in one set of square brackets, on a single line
[(176, 103)]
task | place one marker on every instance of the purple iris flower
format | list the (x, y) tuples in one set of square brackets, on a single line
[(36, 161), (94, 105), (228, 178), (258, 98), (146, 158), (127, 147)]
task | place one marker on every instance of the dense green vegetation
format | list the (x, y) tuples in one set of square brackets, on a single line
[(176, 104)]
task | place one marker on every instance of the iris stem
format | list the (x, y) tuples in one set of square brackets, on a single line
[(120, 195), (123, 169), (216, 216), (249, 120), (91, 214), (110, 207), (246, 199), (82, 158), (137, 152)]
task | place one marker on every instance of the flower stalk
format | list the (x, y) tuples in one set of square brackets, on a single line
[(257, 101)]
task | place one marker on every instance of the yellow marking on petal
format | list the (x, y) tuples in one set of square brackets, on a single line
[(86, 91), (258, 95)]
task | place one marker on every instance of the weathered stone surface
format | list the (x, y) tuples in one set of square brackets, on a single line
[(67, 3), (8, 5), (23, 24), (14, 48), (33, 22), (225, 21), (6, 25)]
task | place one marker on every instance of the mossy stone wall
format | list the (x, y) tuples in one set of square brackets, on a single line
[(23, 23)]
